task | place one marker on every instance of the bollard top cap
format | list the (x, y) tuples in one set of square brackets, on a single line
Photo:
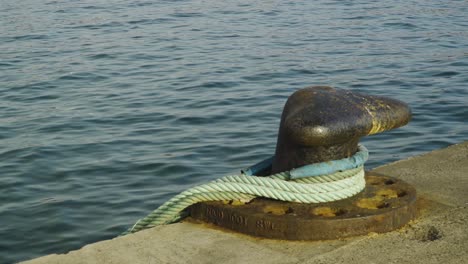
[(322, 115)]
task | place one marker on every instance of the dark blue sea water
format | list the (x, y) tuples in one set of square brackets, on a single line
[(109, 108)]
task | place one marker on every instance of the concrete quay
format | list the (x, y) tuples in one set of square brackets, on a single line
[(438, 235)]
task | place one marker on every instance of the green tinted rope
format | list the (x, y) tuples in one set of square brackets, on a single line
[(316, 189)]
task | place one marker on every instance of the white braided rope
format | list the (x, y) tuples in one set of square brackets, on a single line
[(318, 189)]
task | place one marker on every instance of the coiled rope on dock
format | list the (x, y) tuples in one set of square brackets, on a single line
[(307, 184)]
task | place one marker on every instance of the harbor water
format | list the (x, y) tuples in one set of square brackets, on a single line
[(109, 108)]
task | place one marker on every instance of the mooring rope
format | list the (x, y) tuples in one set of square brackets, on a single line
[(285, 186)]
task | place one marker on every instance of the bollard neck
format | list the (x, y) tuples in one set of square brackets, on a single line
[(290, 155)]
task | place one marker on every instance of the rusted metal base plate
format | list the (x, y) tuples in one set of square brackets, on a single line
[(384, 205)]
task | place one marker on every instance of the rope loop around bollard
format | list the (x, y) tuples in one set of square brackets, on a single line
[(314, 183), (316, 169)]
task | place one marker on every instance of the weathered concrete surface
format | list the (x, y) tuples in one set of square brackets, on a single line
[(439, 235)]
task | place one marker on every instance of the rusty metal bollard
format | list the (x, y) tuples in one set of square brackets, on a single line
[(321, 124)]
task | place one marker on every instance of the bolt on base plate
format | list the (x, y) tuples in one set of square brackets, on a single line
[(384, 205)]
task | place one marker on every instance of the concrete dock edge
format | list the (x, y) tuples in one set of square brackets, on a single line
[(438, 235)]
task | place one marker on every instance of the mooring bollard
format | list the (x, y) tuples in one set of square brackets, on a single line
[(322, 124)]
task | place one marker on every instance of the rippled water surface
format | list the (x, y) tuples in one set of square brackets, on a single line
[(109, 108)]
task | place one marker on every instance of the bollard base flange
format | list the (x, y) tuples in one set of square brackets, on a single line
[(384, 205)]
